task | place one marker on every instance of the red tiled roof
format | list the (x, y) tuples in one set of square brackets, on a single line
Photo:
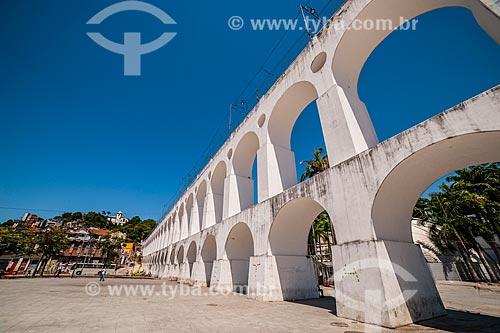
[(100, 232)]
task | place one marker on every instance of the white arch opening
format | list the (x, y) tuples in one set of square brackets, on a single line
[(243, 161), (239, 248), (208, 255)]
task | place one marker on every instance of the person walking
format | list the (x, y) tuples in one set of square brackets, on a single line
[(103, 272), (58, 272)]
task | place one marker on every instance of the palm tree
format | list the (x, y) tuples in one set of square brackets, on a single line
[(317, 165), (321, 229), (464, 210)]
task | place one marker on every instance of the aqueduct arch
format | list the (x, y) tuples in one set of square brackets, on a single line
[(208, 256), (200, 202), (243, 161), (217, 193), (191, 258), (180, 255), (184, 221), (172, 256), (356, 45), (288, 240), (239, 248), (374, 253), (193, 226), (280, 126), (393, 205)]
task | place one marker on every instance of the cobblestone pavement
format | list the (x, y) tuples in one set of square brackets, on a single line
[(64, 305)]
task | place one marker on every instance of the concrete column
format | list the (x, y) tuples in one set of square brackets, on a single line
[(346, 133), (194, 226), (209, 218), (166, 272), (184, 225), (281, 278), (276, 170), (177, 229), (161, 239), (238, 194), (169, 269), (169, 234), (184, 276), (221, 275), (174, 272), (385, 283), (198, 277)]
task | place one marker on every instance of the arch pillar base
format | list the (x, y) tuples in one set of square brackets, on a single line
[(168, 271), (184, 276), (163, 272), (385, 283), (198, 278), (174, 272), (282, 278), (221, 275)]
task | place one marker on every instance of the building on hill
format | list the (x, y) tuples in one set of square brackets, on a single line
[(98, 234), (128, 253), (32, 220), (118, 219)]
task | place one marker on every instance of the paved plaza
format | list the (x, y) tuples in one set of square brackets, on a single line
[(66, 305)]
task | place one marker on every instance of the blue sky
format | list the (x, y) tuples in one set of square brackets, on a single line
[(76, 135)]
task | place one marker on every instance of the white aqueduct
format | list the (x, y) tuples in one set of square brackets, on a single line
[(216, 236)]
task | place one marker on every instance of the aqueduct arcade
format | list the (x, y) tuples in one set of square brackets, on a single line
[(216, 235)]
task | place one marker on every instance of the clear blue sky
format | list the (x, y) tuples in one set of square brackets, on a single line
[(76, 135)]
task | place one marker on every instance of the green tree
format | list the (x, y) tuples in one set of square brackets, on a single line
[(109, 248), (19, 241), (67, 217), (8, 223), (96, 220), (77, 216), (317, 165), (135, 220), (50, 242), (321, 230), (137, 231), (463, 210)]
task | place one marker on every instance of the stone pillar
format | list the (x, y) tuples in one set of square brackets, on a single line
[(276, 170), (170, 271), (184, 276), (238, 194), (282, 278), (177, 229), (346, 133), (175, 272), (194, 226), (184, 225), (384, 283), (221, 276), (169, 234), (198, 276), (209, 209)]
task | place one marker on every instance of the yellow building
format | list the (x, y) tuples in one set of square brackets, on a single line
[(128, 251)]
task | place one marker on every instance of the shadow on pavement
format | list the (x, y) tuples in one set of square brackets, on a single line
[(327, 302), (455, 321), (461, 321)]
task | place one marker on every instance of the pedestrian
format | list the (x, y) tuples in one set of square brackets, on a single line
[(58, 272), (103, 272)]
